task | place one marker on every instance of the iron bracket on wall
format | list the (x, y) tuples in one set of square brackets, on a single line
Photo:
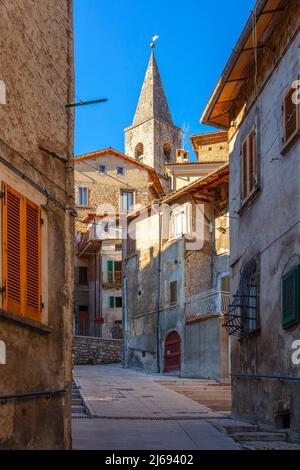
[(21, 396)]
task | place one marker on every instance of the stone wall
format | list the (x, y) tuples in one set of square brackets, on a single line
[(96, 350), (36, 149)]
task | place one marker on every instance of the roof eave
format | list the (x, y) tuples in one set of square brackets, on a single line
[(205, 118)]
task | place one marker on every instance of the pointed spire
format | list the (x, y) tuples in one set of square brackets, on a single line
[(153, 102)]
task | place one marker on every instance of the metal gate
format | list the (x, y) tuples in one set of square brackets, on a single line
[(172, 352)]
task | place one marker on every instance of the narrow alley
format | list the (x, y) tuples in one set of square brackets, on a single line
[(129, 410)]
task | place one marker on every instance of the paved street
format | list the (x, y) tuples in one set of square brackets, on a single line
[(129, 410)]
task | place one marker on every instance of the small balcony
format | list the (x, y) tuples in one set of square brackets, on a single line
[(114, 279), (210, 303), (95, 235)]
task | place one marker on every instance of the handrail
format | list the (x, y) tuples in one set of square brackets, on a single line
[(271, 377), (18, 396)]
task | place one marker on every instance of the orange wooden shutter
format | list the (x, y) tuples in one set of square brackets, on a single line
[(33, 261), (251, 161), (21, 232), (12, 247), (244, 170), (290, 115)]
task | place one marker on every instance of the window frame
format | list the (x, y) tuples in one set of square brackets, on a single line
[(246, 320), (122, 193), (80, 188), (246, 195), (173, 288), (105, 169), (30, 272), (85, 268), (123, 171)]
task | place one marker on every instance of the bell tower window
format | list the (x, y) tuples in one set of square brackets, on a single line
[(139, 152), (167, 152)]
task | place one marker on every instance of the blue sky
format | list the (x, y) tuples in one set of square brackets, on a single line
[(112, 39)]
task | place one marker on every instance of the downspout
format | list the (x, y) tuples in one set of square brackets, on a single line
[(158, 293)]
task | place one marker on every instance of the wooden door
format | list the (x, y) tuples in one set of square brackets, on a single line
[(172, 352)]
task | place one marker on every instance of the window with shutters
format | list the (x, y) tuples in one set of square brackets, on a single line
[(291, 121), (21, 254), (290, 300), (249, 179), (173, 292)]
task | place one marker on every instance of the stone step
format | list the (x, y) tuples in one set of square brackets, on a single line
[(78, 409), (77, 401), (277, 445), (240, 428), (259, 436)]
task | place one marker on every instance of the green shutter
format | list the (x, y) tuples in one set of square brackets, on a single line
[(112, 302), (290, 305), (110, 266)]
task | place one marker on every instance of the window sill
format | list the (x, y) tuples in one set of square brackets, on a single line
[(288, 145), (25, 322), (249, 201)]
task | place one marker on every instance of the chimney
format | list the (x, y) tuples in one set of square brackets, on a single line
[(182, 156)]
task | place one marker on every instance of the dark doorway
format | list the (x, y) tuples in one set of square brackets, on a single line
[(172, 352)]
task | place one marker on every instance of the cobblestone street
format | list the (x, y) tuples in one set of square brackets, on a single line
[(130, 410)]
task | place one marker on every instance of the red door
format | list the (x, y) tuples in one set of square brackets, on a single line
[(172, 352)]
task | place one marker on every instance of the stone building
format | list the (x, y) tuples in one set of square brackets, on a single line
[(176, 281), (153, 138), (36, 217), (108, 185), (211, 150), (257, 102)]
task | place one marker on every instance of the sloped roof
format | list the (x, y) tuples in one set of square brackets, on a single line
[(152, 102), (122, 156), (264, 18)]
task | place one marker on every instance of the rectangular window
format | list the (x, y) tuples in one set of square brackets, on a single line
[(114, 270), (22, 253), (249, 287), (173, 292), (120, 171), (111, 301), (248, 166), (291, 114), (83, 275), (127, 200), (290, 300), (102, 169), (181, 220), (119, 302), (83, 196)]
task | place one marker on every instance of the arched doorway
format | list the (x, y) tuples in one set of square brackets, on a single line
[(172, 359)]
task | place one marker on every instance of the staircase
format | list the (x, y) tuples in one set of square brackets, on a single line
[(210, 393), (78, 407), (252, 437)]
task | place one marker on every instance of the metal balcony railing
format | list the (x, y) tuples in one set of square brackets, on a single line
[(114, 278), (212, 302)]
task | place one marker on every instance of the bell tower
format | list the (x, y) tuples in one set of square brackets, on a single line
[(153, 138)]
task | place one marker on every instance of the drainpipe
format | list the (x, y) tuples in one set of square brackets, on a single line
[(125, 322), (158, 293)]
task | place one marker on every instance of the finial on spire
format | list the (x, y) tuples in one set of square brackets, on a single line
[(154, 39)]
